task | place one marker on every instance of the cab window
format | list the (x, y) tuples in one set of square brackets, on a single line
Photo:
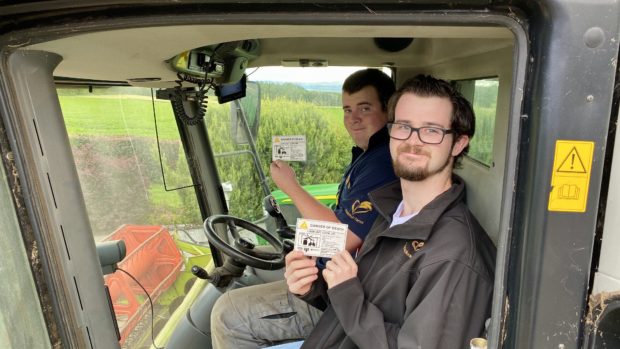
[(122, 161), (282, 102), (482, 94)]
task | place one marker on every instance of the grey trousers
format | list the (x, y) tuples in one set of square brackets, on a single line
[(260, 316)]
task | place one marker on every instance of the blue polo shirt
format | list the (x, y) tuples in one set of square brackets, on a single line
[(367, 171)]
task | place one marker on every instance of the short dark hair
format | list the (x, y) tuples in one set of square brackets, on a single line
[(463, 119), (383, 84)]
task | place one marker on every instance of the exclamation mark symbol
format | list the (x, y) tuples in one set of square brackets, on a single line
[(572, 161)]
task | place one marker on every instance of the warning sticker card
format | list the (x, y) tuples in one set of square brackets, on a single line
[(320, 238), (288, 148), (570, 181)]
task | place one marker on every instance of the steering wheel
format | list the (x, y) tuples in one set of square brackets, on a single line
[(243, 251)]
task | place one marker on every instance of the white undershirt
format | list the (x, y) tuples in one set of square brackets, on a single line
[(397, 219)]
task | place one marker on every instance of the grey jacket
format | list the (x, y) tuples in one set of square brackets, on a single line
[(426, 283)]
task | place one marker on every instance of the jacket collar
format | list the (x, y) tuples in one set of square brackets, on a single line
[(378, 139), (387, 198)]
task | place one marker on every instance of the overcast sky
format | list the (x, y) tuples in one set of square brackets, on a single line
[(282, 74)]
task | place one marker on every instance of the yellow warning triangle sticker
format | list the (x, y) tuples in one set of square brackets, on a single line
[(303, 225), (276, 140), (572, 163)]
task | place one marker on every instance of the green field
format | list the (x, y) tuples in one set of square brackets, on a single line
[(115, 149), (112, 134), (111, 116)]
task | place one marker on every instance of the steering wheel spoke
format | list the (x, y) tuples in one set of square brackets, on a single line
[(232, 228)]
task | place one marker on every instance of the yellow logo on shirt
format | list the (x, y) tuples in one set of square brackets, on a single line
[(361, 207), (411, 247)]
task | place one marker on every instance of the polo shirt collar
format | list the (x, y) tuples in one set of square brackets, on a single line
[(378, 139)]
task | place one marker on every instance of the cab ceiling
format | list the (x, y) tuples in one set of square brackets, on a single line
[(139, 53)]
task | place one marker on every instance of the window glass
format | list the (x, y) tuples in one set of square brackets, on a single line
[(114, 144), (293, 101), (482, 94), (19, 300)]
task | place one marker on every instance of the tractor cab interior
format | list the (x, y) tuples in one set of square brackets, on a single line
[(169, 125)]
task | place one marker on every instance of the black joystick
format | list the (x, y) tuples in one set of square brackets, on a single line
[(200, 273), (282, 228), (288, 245)]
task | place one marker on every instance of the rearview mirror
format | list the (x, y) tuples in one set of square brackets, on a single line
[(245, 109)]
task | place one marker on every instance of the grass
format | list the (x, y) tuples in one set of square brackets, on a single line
[(101, 115), (333, 115), (132, 115), (161, 197), (111, 116)]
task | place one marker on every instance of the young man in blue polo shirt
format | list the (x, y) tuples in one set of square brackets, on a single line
[(261, 315)]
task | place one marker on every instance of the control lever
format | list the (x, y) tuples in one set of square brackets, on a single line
[(221, 276), (288, 245), (273, 209), (200, 273)]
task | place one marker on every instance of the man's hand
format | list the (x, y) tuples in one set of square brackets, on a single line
[(300, 272), (283, 176), (339, 269)]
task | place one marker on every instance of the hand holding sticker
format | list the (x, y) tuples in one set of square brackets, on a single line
[(320, 238), (288, 148)]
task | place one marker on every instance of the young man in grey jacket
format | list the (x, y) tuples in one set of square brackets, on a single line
[(424, 276)]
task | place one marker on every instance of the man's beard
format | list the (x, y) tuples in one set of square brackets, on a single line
[(418, 173)]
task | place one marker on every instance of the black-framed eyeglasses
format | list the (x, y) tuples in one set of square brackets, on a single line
[(427, 134)]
